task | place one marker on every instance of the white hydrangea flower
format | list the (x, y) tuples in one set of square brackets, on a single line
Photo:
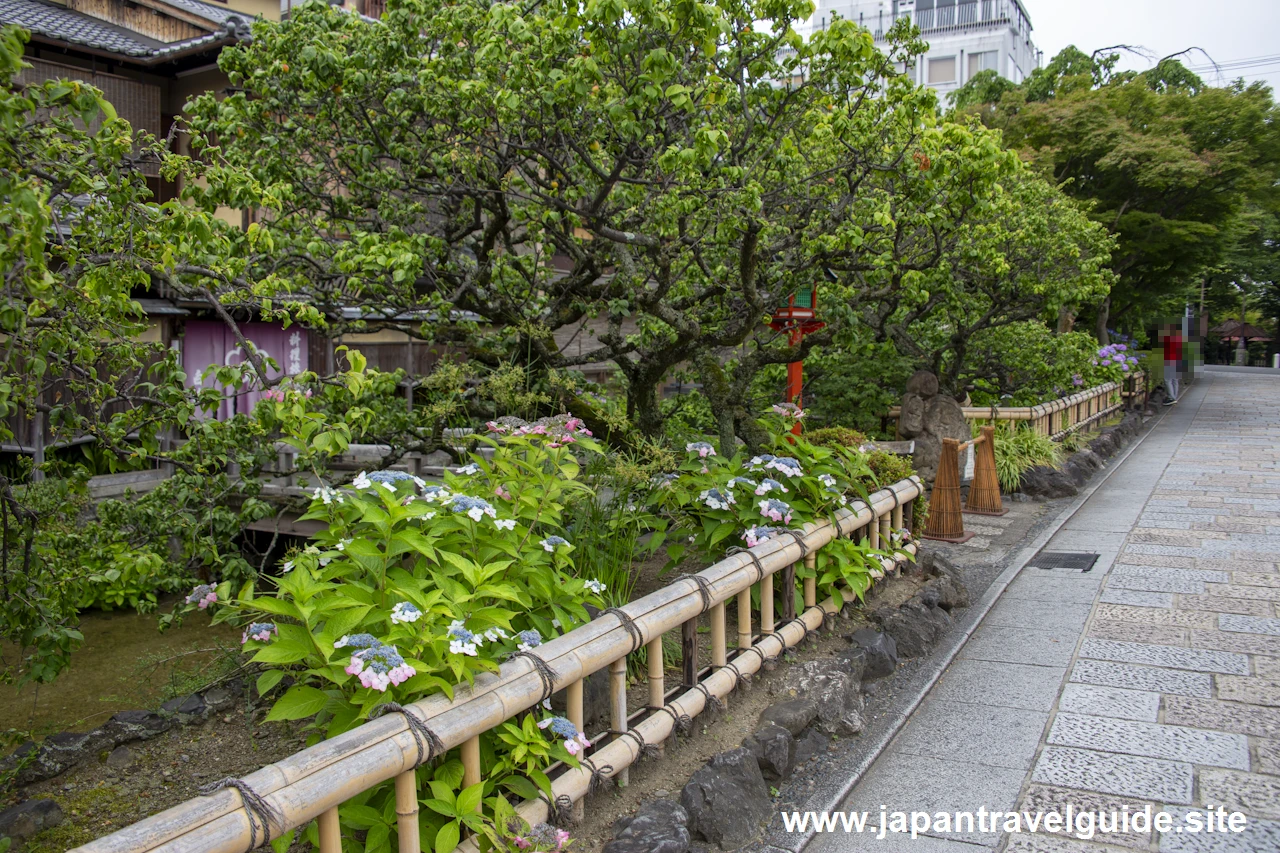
[(361, 481), (505, 523)]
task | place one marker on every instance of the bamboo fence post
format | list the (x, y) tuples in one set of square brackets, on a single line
[(330, 831), (618, 709), (811, 582), (766, 605), (744, 619), (897, 517), (574, 711), (689, 654), (873, 531), (471, 762), (407, 812), (789, 593), (885, 538), (657, 681), (719, 649)]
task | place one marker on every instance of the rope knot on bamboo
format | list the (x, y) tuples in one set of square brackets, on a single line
[(600, 776), (704, 589), (646, 750), (713, 701), (546, 674), (760, 572), (560, 810), (683, 723), (259, 811), (633, 630), (798, 535), (428, 743)]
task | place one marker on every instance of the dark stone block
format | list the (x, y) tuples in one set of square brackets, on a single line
[(837, 692), (881, 652), (775, 751), (28, 818), (794, 715), (727, 799), (659, 826), (1042, 481)]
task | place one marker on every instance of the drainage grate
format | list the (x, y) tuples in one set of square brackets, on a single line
[(1075, 561)]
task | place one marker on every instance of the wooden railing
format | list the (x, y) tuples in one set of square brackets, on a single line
[(312, 784), (1061, 417)]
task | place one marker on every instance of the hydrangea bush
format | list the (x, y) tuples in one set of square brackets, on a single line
[(721, 501), (412, 588)]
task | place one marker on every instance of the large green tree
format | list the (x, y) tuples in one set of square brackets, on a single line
[(675, 170), (1165, 162)]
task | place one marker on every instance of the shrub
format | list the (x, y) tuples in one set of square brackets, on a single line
[(1020, 449), (412, 588), (836, 436), (717, 502)]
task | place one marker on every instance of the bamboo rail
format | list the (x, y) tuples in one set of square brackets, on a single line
[(312, 783), (1061, 417)]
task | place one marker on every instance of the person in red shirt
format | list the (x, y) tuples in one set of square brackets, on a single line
[(1172, 336)]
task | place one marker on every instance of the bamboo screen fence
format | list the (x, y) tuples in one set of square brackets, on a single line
[(1065, 415), (311, 784)]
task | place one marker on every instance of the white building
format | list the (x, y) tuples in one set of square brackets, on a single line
[(964, 36)]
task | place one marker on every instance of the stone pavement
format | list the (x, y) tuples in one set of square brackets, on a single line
[(1153, 679)]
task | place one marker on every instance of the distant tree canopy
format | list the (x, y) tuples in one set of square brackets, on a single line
[(1168, 164)]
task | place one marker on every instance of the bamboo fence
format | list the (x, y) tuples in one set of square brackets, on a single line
[(1065, 415), (311, 784)]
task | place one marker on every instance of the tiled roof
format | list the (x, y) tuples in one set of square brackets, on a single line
[(63, 24)]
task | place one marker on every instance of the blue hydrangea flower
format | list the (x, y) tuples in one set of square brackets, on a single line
[(785, 465), (260, 631), (380, 666), (755, 535), (476, 508), (530, 639), (596, 586), (762, 459), (776, 510), (203, 595), (551, 542), (405, 611), (462, 641), (661, 481), (742, 481), (435, 492), (716, 499), (356, 641), (702, 448), (768, 485), (390, 477)]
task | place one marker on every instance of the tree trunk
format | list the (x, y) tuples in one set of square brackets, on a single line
[(1066, 320), (1104, 314), (643, 402)]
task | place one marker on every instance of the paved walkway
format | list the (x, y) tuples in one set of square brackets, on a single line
[(1153, 679)]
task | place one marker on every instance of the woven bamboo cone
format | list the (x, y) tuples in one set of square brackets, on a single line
[(946, 521), (984, 493)]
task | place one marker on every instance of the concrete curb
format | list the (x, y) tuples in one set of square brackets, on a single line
[(777, 841)]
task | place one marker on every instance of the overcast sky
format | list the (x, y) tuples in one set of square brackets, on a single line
[(1230, 31)]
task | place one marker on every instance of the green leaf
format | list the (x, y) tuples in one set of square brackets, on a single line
[(448, 837), (469, 799), (298, 703), (268, 680)]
